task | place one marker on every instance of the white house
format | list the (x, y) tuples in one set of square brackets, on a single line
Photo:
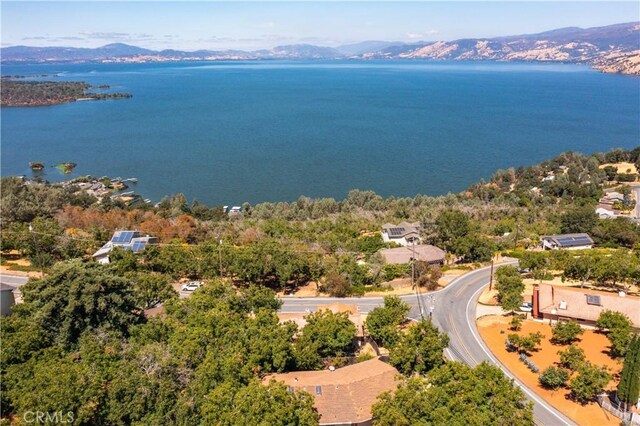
[(567, 241), (127, 240), (403, 233), (604, 213)]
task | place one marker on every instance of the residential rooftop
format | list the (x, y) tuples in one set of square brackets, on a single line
[(345, 395), (586, 304), (423, 252)]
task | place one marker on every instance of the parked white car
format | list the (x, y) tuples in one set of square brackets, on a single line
[(526, 307), (191, 286)]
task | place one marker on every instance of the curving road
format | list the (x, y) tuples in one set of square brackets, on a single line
[(452, 309)]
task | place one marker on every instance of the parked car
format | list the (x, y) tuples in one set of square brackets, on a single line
[(526, 307), (191, 286)]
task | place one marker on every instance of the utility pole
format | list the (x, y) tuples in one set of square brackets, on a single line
[(413, 278), (491, 275), (413, 263), (35, 247)]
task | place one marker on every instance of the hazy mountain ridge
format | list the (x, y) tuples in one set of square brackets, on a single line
[(613, 48)]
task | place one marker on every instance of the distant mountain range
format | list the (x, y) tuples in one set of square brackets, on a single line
[(613, 48)]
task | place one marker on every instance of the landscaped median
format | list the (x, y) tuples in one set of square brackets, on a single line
[(494, 331)]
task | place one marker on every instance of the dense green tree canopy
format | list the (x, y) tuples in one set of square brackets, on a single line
[(420, 349), (629, 385), (455, 394), (330, 334), (619, 329), (510, 287), (78, 297), (589, 382), (257, 404), (383, 321)]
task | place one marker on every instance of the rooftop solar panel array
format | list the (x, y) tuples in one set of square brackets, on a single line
[(394, 232), (122, 237), (567, 241)]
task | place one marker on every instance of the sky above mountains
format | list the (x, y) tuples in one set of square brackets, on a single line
[(255, 25)]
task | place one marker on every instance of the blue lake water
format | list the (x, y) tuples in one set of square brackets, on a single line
[(225, 133)]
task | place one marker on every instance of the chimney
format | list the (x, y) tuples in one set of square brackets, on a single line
[(536, 301)]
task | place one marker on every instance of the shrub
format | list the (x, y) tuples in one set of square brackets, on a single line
[(390, 271), (572, 358), (526, 343), (566, 332), (553, 377), (337, 285), (626, 177), (516, 322), (364, 356)]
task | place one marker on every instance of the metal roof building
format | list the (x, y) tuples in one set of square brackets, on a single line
[(567, 241)]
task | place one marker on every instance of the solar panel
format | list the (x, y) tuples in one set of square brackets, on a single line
[(583, 240), (126, 237), (593, 299), (394, 232), (574, 241), (116, 237), (138, 246)]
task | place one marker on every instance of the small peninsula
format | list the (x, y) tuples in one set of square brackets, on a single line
[(41, 93)]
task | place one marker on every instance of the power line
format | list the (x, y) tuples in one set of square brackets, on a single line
[(186, 244)]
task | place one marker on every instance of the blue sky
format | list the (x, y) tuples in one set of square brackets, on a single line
[(251, 25)]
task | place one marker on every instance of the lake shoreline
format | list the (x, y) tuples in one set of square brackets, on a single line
[(271, 131)]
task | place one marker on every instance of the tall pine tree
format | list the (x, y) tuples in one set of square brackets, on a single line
[(629, 386)]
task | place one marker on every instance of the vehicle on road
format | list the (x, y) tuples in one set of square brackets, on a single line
[(192, 285)]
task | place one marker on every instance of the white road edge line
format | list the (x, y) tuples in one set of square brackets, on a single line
[(522, 386)]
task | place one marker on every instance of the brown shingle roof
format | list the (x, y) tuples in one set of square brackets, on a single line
[(425, 252), (578, 308), (346, 394)]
